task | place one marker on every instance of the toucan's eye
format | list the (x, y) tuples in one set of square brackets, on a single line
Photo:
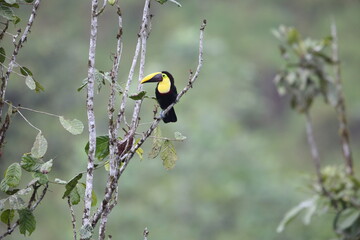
[(164, 75)]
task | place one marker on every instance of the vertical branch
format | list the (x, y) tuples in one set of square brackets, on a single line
[(146, 233), (340, 107), (113, 152), (12, 62), (313, 147), (73, 219), (144, 34), (111, 106), (90, 114), (316, 158)]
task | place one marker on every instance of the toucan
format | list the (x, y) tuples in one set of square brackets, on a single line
[(165, 92)]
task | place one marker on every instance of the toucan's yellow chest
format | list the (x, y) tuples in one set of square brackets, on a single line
[(164, 86)]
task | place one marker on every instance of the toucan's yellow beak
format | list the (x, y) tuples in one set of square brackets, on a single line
[(154, 77)]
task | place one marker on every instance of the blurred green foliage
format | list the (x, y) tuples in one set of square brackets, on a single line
[(245, 156)]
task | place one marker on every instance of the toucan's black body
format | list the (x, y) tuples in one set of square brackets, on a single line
[(165, 92), (165, 99)]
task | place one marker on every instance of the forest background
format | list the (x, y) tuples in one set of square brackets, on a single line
[(245, 161)]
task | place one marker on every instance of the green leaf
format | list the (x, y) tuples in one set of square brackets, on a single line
[(16, 20), (73, 126), (293, 36), (157, 143), (139, 151), (179, 136), (29, 81), (42, 178), (102, 147), (292, 213), (107, 166), (3, 186), (86, 231), (138, 96), (82, 86), (30, 164), (13, 175), (39, 87), (40, 146), (7, 13), (27, 223), (10, 1), (164, 1), (46, 167), (168, 155), (93, 198), (7, 216), (347, 218), (25, 71), (71, 185), (74, 196), (2, 55), (59, 181), (173, 1)]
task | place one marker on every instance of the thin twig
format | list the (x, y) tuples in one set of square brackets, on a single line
[(37, 111), (26, 120), (340, 107), (101, 10), (316, 158), (18, 45), (90, 114), (73, 219), (146, 233), (113, 149), (4, 30)]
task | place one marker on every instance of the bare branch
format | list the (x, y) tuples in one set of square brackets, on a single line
[(313, 147), (18, 45), (144, 34), (113, 130), (90, 114), (340, 107), (146, 233), (316, 158), (101, 10), (73, 219), (111, 105)]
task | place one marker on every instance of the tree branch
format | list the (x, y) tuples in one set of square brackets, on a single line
[(90, 114), (113, 129), (73, 219), (316, 159), (12, 62), (340, 107)]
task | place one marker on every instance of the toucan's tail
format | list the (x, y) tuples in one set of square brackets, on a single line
[(170, 116)]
